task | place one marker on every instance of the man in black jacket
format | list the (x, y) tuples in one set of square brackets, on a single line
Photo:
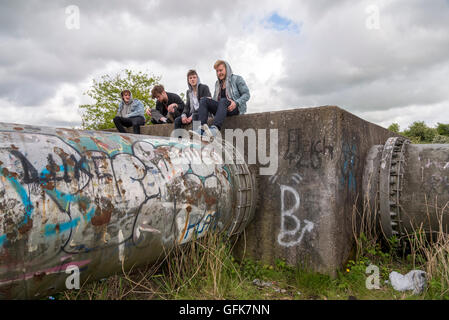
[(169, 106), (196, 91)]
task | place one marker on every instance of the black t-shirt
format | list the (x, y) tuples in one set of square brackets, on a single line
[(223, 93)]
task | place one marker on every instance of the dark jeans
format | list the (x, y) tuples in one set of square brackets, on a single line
[(218, 109), (154, 121), (135, 122), (178, 120)]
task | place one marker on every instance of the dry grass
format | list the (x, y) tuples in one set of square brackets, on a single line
[(365, 226), (423, 247), (201, 268), (430, 248), (204, 264)]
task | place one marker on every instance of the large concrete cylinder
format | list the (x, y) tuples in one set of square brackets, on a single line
[(408, 186), (93, 201)]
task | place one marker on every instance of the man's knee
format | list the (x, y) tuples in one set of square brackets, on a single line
[(136, 123), (203, 100), (206, 103), (116, 119)]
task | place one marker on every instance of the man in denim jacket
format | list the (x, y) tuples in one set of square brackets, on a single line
[(230, 97), (130, 113)]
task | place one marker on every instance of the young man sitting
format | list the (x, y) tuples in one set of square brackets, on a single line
[(130, 113), (230, 97), (169, 106), (196, 91)]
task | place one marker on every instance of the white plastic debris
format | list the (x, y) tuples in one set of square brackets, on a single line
[(260, 283), (414, 280)]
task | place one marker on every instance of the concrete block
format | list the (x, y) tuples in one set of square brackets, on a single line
[(305, 209)]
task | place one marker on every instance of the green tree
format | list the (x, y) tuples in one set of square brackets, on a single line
[(443, 129), (394, 127), (421, 132), (106, 94), (440, 139)]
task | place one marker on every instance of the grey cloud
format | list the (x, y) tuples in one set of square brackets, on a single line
[(62, 124), (27, 91), (69, 101), (41, 51), (333, 60), (393, 66)]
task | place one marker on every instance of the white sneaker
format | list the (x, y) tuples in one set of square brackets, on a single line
[(213, 131), (210, 133)]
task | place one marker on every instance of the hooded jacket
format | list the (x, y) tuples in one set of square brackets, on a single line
[(202, 91), (132, 109), (236, 89)]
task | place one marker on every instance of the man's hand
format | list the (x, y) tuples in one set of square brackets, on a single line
[(186, 120), (163, 119), (171, 108), (232, 106)]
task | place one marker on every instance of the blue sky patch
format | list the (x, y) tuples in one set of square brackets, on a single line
[(279, 23)]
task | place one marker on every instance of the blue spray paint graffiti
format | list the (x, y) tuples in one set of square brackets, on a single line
[(203, 223), (69, 167), (21, 192), (350, 161)]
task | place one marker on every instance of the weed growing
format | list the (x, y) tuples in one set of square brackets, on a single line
[(206, 269)]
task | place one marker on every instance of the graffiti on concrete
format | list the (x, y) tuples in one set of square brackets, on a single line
[(434, 176), (435, 164), (79, 191), (292, 232), (437, 184), (350, 163), (304, 153)]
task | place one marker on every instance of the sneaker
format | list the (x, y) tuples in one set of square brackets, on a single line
[(211, 131)]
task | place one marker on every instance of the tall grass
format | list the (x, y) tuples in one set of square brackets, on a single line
[(430, 250), (365, 226), (422, 247), (202, 268)]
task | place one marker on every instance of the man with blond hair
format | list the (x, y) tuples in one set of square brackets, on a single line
[(230, 97)]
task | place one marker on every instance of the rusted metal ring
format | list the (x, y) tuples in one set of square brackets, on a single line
[(390, 185)]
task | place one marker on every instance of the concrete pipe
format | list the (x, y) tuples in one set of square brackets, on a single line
[(90, 201), (408, 186)]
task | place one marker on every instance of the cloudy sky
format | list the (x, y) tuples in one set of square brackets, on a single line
[(383, 60)]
